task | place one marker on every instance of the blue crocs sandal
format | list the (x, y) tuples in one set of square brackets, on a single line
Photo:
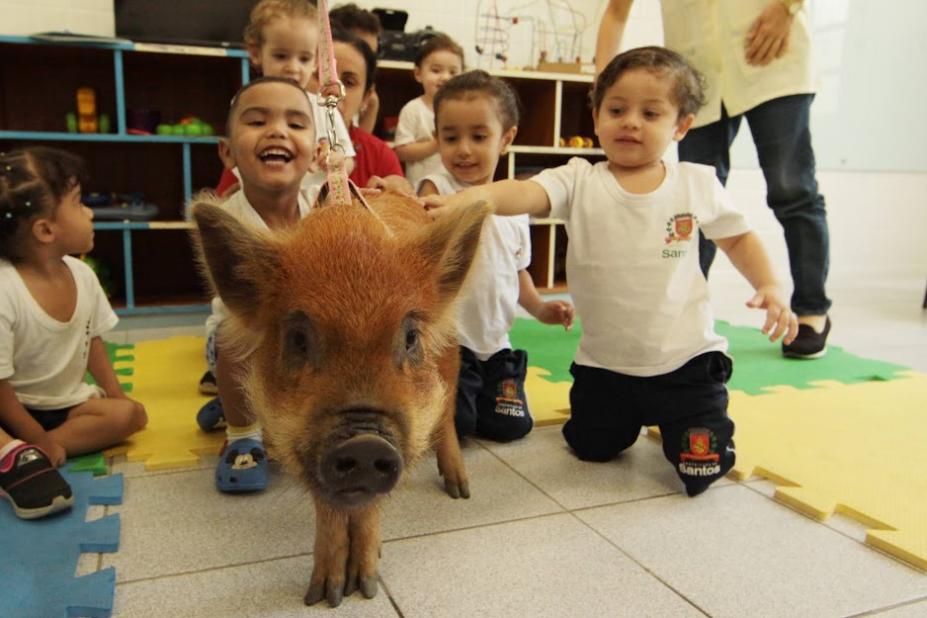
[(211, 416), (242, 467)]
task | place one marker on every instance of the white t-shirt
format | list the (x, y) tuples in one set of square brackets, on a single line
[(711, 36), (239, 206), (488, 302), (417, 122), (43, 359), (632, 263)]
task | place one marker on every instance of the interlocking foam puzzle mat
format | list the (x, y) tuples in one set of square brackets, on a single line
[(838, 434), (38, 558), (857, 449), (164, 375)]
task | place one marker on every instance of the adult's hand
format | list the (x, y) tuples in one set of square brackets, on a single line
[(768, 38)]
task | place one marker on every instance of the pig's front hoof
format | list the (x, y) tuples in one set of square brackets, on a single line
[(332, 591), (367, 585), (457, 489)]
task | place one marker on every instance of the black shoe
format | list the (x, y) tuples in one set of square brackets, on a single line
[(32, 484), (808, 343), (208, 384)]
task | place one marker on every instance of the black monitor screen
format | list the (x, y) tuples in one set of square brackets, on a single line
[(195, 22)]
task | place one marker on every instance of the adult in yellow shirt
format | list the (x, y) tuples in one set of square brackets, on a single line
[(755, 56)]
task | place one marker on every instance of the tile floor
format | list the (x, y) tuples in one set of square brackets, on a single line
[(545, 534)]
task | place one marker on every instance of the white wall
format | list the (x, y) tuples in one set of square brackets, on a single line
[(83, 16)]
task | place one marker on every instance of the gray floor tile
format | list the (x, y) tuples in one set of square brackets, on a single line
[(272, 589), (176, 523), (918, 609), (420, 506), (132, 469), (545, 459), (550, 566), (733, 552)]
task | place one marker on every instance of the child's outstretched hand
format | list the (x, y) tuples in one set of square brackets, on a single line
[(556, 312), (780, 321)]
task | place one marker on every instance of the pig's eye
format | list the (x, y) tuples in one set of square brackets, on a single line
[(409, 347), (412, 337), (300, 345)]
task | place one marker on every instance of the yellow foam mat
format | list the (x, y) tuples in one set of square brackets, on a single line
[(549, 402), (856, 449), (166, 373)]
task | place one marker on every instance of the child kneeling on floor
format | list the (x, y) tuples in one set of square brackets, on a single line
[(649, 354), (476, 119), (52, 313)]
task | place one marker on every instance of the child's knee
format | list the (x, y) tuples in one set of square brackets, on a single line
[(596, 445), (128, 417), (505, 429)]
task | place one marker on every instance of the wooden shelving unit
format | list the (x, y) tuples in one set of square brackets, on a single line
[(150, 263)]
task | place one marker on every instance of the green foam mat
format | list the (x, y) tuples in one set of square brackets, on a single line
[(758, 363)]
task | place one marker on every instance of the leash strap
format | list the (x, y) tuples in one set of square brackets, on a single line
[(331, 93)]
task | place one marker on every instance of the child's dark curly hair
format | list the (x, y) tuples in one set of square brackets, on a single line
[(686, 89), (480, 82), (33, 182)]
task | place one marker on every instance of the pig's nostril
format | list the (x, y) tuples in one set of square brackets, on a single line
[(345, 464), (386, 466)]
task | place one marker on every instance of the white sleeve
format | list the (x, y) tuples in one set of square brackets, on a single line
[(558, 183), (408, 125), (7, 316), (524, 235), (724, 219)]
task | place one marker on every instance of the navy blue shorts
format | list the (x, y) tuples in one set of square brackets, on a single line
[(491, 401), (688, 404)]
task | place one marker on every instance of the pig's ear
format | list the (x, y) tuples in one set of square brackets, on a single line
[(451, 244), (235, 258)]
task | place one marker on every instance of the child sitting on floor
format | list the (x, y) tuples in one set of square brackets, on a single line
[(476, 117), (271, 140), (649, 354), (52, 313)]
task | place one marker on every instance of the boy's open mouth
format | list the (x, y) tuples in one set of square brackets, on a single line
[(275, 155)]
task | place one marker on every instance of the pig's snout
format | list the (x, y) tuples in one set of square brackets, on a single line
[(361, 467)]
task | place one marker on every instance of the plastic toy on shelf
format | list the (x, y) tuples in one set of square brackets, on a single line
[(120, 206), (188, 125), (86, 120), (577, 141)]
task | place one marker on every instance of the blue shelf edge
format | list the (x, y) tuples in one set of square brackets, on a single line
[(62, 136), (167, 47), (163, 309)]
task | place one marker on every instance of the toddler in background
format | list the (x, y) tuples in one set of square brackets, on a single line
[(476, 117), (52, 313), (649, 354), (438, 60)]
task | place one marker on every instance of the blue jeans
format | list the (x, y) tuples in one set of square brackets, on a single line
[(783, 146)]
